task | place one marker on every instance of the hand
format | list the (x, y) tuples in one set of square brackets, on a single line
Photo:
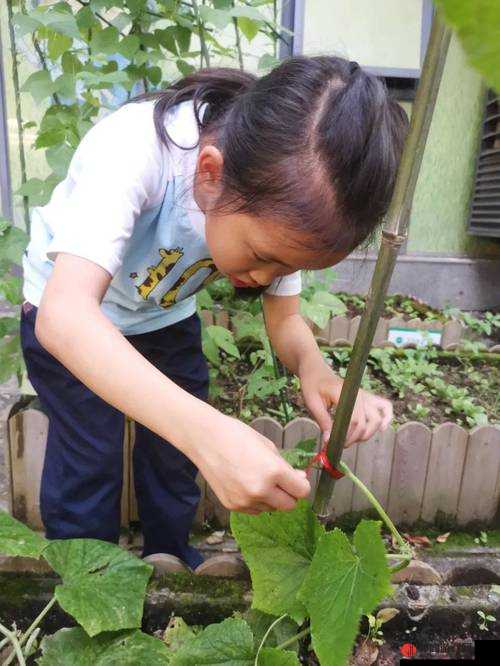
[(245, 470), (321, 389)]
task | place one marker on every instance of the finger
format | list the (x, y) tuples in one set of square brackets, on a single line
[(280, 500), (319, 412), (270, 445), (387, 411), (357, 429), (293, 482), (373, 423)]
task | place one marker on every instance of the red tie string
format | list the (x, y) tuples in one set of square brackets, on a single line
[(322, 458)]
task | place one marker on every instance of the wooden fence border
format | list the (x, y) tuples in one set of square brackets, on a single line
[(341, 331), (414, 471)]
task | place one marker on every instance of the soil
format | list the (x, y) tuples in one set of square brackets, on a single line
[(398, 305), (483, 384)]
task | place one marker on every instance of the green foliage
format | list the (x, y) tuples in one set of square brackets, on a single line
[(215, 339), (301, 455), (77, 44), (127, 648), (103, 585), (230, 643), (459, 400), (297, 568), (317, 303), (278, 548), (477, 24), (343, 583), (13, 242), (18, 540)]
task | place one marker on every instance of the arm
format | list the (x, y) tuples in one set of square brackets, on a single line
[(242, 466), (296, 347)]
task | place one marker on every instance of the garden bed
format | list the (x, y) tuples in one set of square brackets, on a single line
[(423, 385), (335, 317), (439, 619)]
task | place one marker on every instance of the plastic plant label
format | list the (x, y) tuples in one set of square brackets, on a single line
[(419, 337)]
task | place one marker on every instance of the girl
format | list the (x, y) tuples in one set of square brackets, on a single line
[(223, 174)]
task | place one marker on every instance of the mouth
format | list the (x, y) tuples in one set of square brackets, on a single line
[(239, 283)]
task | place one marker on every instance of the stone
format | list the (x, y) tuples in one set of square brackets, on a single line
[(215, 537), (164, 563), (418, 572), (23, 565), (223, 566)]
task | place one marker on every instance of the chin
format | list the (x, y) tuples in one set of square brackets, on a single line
[(248, 293)]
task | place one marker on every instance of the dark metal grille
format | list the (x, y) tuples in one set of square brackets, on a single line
[(485, 208)]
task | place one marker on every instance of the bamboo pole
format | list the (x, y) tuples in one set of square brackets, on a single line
[(393, 235)]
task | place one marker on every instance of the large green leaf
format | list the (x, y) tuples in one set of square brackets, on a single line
[(230, 643), (73, 647), (344, 582), (217, 17), (278, 548), (17, 539), (273, 657), (248, 27), (478, 27), (39, 85), (59, 18), (103, 585), (224, 339)]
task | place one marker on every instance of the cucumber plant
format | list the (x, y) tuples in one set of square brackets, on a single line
[(307, 582)]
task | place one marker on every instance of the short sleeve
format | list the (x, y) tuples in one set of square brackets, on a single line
[(288, 285), (115, 174)]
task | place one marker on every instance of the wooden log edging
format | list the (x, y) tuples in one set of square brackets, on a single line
[(415, 472), (341, 331)]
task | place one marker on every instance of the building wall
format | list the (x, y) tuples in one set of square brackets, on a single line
[(442, 198)]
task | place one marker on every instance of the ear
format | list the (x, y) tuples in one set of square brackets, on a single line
[(209, 174)]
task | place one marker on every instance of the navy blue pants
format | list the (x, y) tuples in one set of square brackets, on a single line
[(83, 469)]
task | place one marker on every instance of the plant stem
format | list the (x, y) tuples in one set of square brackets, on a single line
[(203, 44), (376, 504), (37, 620), (265, 638), (294, 639), (238, 40), (15, 643), (101, 17), (276, 369), (32, 628), (19, 116), (277, 374)]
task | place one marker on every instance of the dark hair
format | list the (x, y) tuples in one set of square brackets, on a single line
[(315, 143)]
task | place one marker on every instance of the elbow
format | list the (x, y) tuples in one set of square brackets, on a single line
[(50, 326), (44, 327)]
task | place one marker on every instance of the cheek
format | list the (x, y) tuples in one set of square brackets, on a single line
[(223, 247)]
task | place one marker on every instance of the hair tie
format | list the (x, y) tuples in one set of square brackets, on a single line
[(354, 67)]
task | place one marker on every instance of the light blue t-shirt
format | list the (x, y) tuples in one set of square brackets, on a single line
[(127, 205)]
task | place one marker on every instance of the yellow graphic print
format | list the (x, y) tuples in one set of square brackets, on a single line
[(157, 273), (171, 295), (169, 258)]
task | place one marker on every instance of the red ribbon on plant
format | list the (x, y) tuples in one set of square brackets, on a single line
[(322, 458)]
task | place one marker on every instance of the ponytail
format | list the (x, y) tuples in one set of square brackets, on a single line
[(216, 87)]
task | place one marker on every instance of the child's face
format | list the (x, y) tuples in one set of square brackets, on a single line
[(252, 252)]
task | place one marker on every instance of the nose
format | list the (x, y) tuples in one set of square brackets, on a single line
[(264, 276)]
